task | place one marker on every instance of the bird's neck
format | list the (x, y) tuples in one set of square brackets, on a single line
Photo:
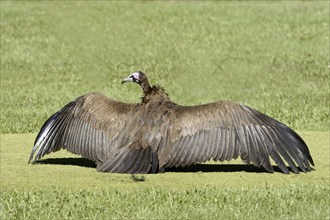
[(154, 92), (147, 89)]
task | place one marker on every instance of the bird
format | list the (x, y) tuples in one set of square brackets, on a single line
[(156, 133)]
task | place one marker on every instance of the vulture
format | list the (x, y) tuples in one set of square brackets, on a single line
[(156, 133)]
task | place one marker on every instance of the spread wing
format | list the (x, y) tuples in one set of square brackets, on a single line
[(225, 131), (98, 129)]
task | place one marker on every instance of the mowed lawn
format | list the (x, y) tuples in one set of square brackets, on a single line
[(66, 186), (272, 56)]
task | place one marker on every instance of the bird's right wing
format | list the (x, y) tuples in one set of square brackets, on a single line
[(225, 131)]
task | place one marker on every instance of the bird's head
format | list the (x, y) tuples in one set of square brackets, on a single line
[(141, 79), (137, 77)]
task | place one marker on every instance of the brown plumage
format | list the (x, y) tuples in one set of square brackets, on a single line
[(157, 133)]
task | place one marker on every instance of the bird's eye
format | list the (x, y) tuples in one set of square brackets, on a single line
[(135, 79)]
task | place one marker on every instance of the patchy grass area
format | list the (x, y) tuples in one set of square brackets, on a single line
[(272, 56), (63, 169)]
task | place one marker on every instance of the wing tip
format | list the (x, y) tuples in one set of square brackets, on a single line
[(30, 160), (33, 158)]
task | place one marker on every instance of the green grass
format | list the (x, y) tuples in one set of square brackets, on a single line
[(229, 190), (287, 202), (272, 56)]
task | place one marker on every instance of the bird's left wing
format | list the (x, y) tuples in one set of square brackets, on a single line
[(91, 126)]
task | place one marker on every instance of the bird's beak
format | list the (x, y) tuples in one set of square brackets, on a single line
[(126, 80)]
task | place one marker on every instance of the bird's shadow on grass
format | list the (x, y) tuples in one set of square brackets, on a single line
[(82, 162), (221, 168)]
